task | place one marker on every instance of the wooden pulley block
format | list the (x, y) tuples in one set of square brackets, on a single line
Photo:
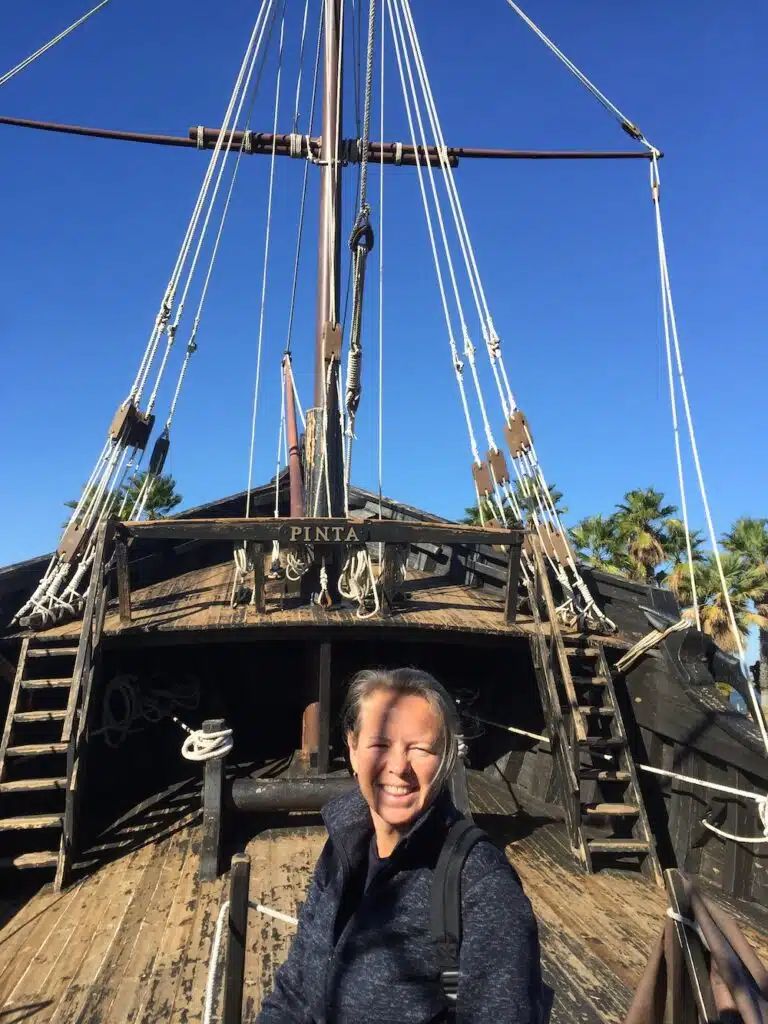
[(482, 477), (131, 426), (331, 341), (518, 434), (159, 454), (71, 543), (560, 545), (498, 464)]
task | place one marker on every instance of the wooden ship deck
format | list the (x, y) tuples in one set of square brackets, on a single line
[(131, 941)]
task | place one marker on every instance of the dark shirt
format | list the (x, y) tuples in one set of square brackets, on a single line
[(363, 952)]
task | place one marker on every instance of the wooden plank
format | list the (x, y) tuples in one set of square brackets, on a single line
[(324, 711), (686, 809), (213, 790), (513, 580), (123, 578), (314, 531), (12, 705), (234, 965), (741, 821)]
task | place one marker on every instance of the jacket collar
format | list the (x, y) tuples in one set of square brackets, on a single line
[(350, 826)]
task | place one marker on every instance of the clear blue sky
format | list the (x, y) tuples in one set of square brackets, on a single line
[(567, 251)]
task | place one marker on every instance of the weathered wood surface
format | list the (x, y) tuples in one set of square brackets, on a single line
[(199, 600), (132, 942)]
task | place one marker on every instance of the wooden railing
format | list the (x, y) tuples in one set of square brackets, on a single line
[(87, 662), (322, 534), (566, 726)]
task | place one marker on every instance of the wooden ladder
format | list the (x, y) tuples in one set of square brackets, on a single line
[(604, 810), (41, 746)]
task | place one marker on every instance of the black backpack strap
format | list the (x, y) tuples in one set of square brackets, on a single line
[(445, 908)]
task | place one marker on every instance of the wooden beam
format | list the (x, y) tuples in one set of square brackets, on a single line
[(259, 596), (324, 698), (123, 579), (321, 531), (213, 789), (234, 966), (513, 578)]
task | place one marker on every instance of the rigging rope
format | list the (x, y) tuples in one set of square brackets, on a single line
[(382, 34), (672, 321), (266, 265), (51, 43), (624, 121)]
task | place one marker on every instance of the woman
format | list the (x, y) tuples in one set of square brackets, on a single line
[(363, 951)]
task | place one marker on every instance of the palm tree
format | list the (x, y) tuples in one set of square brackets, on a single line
[(676, 554), (748, 539), (640, 521), (597, 542), (161, 498), (746, 586), (527, 503)]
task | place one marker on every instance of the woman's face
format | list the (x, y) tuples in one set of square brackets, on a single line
[(396, 756)]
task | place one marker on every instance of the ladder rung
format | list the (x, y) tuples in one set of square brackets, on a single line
[(45, 684), (617, 846), (592, 774), (41, 859), (40, 716), (588, 652), (612, 810), (32, 749), (590, 680), (31, 785), (593, 709), (32, 821), (51, 652), (605, 742)]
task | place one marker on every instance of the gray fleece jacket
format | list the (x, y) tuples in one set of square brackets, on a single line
[(364, 955)]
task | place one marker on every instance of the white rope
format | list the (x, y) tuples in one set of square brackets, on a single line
[(265, 267), (301, 67), (51, 42), (381, 277), (204, 746), (628, 126), (693, 925), (357, 582), (458, 366), (647, 643), (277, 913), (213, 965), (667, 288), (760, 799)]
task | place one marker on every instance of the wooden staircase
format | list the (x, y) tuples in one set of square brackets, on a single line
[(604, 810), (42, 742)]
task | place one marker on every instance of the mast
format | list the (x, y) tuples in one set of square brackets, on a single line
[(324, 440)]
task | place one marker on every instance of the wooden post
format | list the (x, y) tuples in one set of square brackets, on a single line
[(213, 788), (234, 965), (259, 599), (324, 698), (513, 577), (123, 579)]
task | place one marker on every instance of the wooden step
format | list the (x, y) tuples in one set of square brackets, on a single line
[(46, 684), (40, 716), (605, 742), (33, 749), (590, 680), (591, 774), (587, 652), (32, 785), (592, 709), (612, 810), (618, 846), (42, 859), (32, 821), (51, 652)]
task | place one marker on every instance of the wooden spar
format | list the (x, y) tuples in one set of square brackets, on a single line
[(261, 143), (294, 457)]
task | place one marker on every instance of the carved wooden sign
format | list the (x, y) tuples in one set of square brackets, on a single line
[(315, 533)]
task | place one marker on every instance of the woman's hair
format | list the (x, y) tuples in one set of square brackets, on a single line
[(412, 682)]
